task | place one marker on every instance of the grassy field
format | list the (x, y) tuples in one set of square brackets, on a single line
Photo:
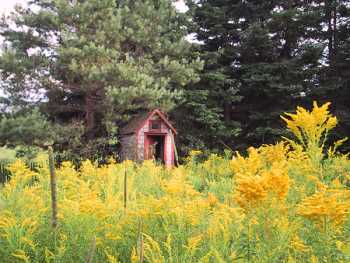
[(287, 202), (7, 155)]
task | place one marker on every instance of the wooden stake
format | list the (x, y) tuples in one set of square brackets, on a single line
[(91, 253), (141, 252), (53, 188), (141, 248), (175, 149), (125, 187)]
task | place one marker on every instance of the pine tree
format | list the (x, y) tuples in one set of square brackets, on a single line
[(260, 50), (209, 103), (96, 60), (334, 79)]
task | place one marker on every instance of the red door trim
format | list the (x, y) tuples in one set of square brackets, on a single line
[(146, 144)]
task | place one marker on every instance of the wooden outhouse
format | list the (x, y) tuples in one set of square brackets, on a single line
[(149, 136)]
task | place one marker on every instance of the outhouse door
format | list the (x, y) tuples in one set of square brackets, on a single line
[(155, 147)]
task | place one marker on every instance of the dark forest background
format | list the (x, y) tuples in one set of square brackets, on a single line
[(74, 72)]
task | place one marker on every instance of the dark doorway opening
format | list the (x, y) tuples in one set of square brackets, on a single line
[(156, 148)]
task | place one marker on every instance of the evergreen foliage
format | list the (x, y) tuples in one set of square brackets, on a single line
[(264, 57), (91, 65), (97, 60)]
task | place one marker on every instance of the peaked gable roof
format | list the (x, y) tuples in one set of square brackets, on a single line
[(139, 121)]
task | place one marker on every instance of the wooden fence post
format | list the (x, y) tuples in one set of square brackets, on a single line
[(175, 149), (141, 245), (125, 186), (53, 188)]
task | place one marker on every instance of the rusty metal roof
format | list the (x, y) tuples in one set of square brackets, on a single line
[(138, 122), (134, 124)]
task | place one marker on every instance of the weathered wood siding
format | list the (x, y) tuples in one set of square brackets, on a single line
[(128, 149), (133, 144)]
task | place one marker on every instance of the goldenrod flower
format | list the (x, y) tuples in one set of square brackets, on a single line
[(193, 243), (270, 183), (21, 254), (133, 257), (298, 245), (111, 258), (212, 199), (325, 206), (311, 127)]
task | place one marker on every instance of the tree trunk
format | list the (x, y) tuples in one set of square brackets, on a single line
[(227, 111), (335, 40), (89, 114), (330, 31), (286, 52)]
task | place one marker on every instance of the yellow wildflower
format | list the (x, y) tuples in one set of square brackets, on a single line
[(153, 252), (112, 236), (49, 255), (311, 127), (313, 259), (193, 243), (249, 190), (111, 258), (134, 258), (212, 199), (325, 205), (277, 180), (21, 254), (7, 221), (253, 189), (298, 244), (247, 166), (192, 155), (28, 242)]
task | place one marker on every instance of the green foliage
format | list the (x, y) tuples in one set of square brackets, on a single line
[(7, 155), (31, 128), (262, 59), (29, 131), (97, 62), (277, 204)]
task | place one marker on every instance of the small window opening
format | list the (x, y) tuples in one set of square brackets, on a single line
[(155, 125)]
